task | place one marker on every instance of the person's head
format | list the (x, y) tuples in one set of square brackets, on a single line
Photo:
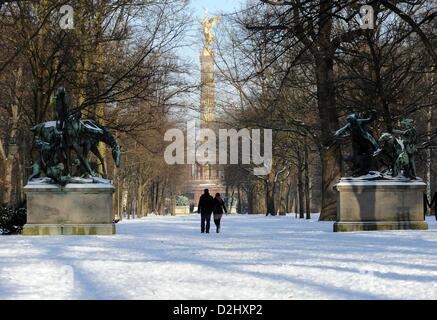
[(217, 195), (206, 191)]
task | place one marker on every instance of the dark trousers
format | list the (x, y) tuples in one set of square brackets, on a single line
[(217, 223), (205, 219)]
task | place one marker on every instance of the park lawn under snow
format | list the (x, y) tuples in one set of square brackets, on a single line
[(255, 257)]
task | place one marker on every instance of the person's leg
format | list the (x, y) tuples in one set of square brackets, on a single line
[(216, 222), (208, 222), (218, 225), (202, 223)]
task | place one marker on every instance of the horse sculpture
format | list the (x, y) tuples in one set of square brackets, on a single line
[(89, 143), (56, 141), (89, 133)]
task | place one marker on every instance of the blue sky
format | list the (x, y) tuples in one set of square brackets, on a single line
[(214, 6)]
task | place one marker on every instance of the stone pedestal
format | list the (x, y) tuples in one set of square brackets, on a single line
[(182, 210), (76, 209), (379, 205)]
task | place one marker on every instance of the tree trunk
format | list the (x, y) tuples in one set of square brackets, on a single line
[(296, 199), (161, 198), (307, 183), (287, 198), (270, 198), (144, 206), (331, 173), (155, 206), (250, 199), (129, 203), (232, 200), (119, 200), (429, 128), (2, 150), (330, 155), (139, 200), (300, 186), (151, 197), (239, 200), (227, 196), (11, 159), (8, 177), (21, 174)]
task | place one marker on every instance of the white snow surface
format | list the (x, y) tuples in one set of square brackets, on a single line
[(255, 257)]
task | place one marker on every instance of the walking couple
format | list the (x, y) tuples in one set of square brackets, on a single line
[(207, 206)]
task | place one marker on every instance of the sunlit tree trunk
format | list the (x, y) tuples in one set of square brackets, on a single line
[(307, 183), (270, 197), (239, 200), (300, 186), (140, 200), (9, 168), (428, 150), (11, 160)]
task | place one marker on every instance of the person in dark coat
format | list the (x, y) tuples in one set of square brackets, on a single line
[(205, 207), (219, 208)]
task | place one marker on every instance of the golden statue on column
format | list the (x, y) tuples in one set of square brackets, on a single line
[(207, 24)]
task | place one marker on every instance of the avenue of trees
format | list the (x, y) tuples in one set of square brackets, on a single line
[(299, 67), (295, 66), (119, 67)]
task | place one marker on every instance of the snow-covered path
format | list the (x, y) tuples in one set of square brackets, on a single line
[(255, 257)]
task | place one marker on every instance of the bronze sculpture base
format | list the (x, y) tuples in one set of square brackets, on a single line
[(76, 209), (364, 205)]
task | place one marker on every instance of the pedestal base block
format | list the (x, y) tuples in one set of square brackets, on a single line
[(75, 209), (380, 205), (375, 226), (68, 229)]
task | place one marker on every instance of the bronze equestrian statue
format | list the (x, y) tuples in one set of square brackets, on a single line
[(56, 141)]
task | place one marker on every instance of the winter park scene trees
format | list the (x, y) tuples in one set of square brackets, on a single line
[(304, 129)]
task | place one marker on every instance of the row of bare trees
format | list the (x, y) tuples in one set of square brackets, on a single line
[(120, 68), (299, 67)]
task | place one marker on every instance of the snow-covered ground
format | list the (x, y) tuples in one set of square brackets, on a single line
[(255, 257)]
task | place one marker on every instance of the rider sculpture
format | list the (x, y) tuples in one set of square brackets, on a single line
[(57, 141)]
